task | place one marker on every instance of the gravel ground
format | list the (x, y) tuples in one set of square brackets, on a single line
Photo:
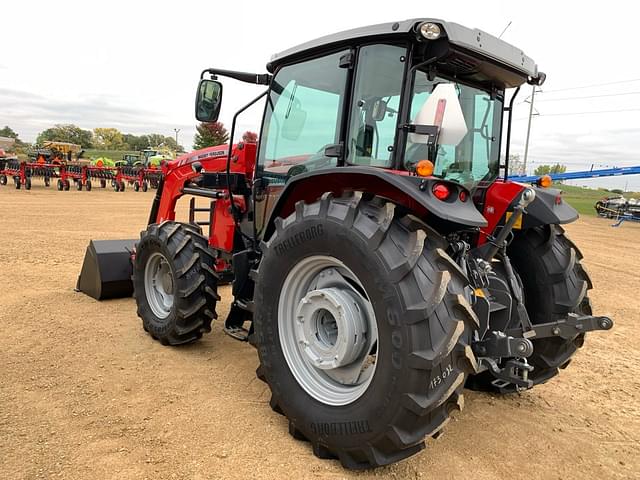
[(85, 393)]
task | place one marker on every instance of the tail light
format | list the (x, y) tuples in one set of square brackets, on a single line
[(441, 191)]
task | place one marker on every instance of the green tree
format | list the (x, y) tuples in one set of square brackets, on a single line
[(170, 143), (210, 134), (152, 140), (67, 133), (108, 139), (9, 133), (550, 169), (156, 139), (136, 142)]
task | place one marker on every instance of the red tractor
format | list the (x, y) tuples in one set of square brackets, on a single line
[(381, 264)]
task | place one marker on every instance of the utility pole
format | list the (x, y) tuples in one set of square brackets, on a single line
[(176, 130), (526, 145)]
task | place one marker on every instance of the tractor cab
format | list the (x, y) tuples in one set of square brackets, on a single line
[(391, 96), (419, 98), (132, 159)]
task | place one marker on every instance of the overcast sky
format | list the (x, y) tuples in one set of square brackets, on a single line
[(134, 65)]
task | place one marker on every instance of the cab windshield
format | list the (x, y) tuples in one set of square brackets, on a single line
[(468, 148)]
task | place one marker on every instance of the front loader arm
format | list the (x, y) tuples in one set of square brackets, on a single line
[(178, 173)]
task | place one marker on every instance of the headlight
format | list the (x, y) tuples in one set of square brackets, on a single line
[(430, 31)]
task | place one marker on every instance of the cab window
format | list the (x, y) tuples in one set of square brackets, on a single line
[(375, 105), (303, 117)]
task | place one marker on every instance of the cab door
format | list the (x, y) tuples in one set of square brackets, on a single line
[(303, 116)]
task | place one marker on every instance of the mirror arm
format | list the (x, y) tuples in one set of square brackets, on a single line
[(234, 211), (255, 78)]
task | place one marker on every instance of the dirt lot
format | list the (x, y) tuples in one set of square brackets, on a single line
[(85, 393)]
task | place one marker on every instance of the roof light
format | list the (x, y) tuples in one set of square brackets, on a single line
[(441, 191), (430, 31), (424, 168)]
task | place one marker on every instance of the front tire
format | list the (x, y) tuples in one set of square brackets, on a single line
[(379, 266), (175, 286)]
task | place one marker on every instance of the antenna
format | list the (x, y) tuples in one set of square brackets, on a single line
[(505, 28)]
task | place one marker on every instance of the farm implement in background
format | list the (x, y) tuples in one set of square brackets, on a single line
[(82, 175), (618, 206)]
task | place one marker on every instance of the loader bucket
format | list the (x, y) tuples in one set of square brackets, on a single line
[(106, 270)]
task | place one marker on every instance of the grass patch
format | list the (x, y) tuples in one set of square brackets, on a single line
[(92, 153)]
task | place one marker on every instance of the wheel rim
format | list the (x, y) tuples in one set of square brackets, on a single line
[(328, 331), (159, 285)]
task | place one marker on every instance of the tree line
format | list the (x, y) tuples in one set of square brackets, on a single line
[(207, 135), (105, 138)]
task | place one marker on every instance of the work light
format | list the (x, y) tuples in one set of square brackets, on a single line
[(430, 31)]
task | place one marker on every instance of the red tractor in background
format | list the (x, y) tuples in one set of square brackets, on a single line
[(380, 262)]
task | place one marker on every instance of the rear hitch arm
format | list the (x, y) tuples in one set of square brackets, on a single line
[(571, 326), (498, 344)]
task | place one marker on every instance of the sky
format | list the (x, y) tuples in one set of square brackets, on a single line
[(135, 65)]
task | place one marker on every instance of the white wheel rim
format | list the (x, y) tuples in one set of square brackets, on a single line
[(328, 331), (159, 286)]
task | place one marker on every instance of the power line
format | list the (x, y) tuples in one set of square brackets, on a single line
[(593, 85), (588, 113), (588, 96), (566, 114)]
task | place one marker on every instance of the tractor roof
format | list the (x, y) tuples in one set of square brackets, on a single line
[(473, 40)]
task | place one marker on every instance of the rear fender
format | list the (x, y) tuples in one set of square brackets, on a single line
[(412, 192), (548, 208)]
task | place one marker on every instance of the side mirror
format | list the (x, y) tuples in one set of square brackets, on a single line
[(208, 100)]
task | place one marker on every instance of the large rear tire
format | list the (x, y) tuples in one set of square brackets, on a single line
[(343, 273), (174, 283), (555, 284)]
